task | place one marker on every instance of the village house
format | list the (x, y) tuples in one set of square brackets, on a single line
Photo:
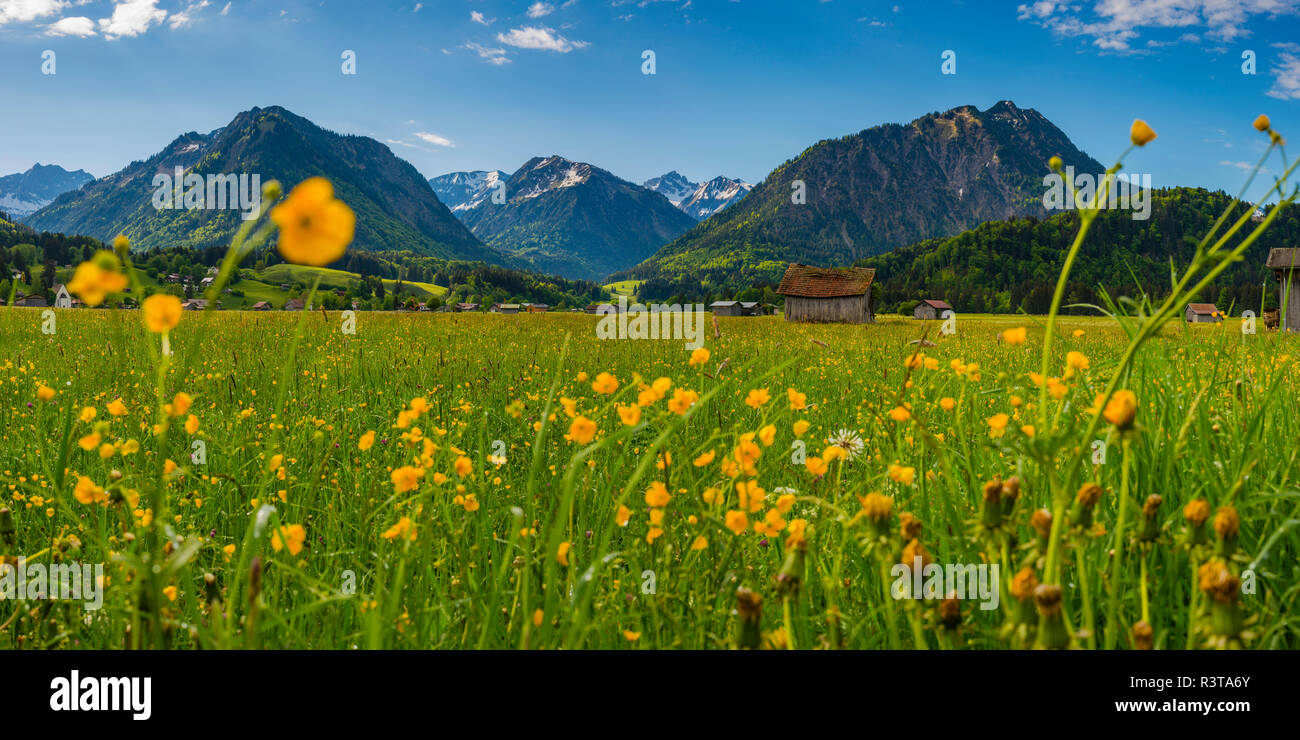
[(462, 307), (536, 307), (261, 306), (930, 309), (194, 304), (295, 304), (1285, 264), (1202, 313), (31, 301), (828, 294), (505, 308), (62, 298), (726, 308)]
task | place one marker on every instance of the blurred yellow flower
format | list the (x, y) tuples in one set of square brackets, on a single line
[(315, 227), (161, 312), (1140, 133), (292, 536)]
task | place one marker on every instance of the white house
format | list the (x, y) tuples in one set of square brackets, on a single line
[(62, 298)]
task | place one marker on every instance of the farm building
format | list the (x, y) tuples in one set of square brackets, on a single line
[(295, 304), (930, 309), (1202, 313), (31, 301), (62, 298), (462, 307), (727, 308), (505, 308), (262, 306), (536, 307), (1285, 264), (840, 295)]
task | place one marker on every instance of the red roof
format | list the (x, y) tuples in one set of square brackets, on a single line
[(936, 304), (1203, 308), (825, 282)]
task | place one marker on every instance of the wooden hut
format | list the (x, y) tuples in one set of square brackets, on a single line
[(1202, 313), (930, 309), (1285, 264), (727, 308), (839, 295)]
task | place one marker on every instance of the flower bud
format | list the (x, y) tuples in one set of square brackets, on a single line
[(1140, 133), (749, 607)]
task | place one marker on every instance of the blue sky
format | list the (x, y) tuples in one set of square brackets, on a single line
[(740, 86)]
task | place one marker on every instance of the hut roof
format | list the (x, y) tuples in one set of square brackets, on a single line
[(1285, 257), (825, 282), (1203, 308), (936, 304)]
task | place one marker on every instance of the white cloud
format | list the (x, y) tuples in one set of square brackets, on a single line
[(434, 139), (492, 55), (28, 10), (132, 18), (74, 26), (225, 10), (544, 39), (417, 7), (539, 9), (1114, 24), (1286, 77), (186, 17), (478, 18)]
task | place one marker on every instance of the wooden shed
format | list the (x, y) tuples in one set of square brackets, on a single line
[(1202, 313), (727, 308), (1285, 264), (930, 309), (830, 294)]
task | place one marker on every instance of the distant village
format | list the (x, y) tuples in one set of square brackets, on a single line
[(811, 294)]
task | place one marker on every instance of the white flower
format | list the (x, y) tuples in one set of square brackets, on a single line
[(847, 440)]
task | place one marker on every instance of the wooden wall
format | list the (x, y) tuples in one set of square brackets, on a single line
[(844, 310)]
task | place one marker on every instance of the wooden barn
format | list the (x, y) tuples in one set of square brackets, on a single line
[(828, 294), (1285, 264), (726, 308), (1202, 313), (930, 309)]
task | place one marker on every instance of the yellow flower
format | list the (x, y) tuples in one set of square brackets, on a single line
[(192, 424), (1141, 134), (407, 478), (292, 536), (737, 522), (1262, 123), (998, 424), (367, 441), (562, 555), (798, 401), (631, 415), (170, 593), (900, 474), (44, 392), (87, 492), (800, 427), (463, 466), (699, 356), (88, 414), (704, 459), (656, 495), (315, 227), (622, 515), (816, 466), (1014, 336), (767, 435), (947, 403), (1076, 361), (1078, 333), (899, 413), (605, 384), (116, 407), (700, 543), (161, 312), (631, 636), (89, 442), (582, 430), (1121, 409), (682, 401), (404, 529), (180, 404), (757, 397), (97, 278)]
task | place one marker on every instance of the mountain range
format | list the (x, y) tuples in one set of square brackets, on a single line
[(698, 200), (395, 207), (572, 218), (461, 190), (866, 193), (24, 193)]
